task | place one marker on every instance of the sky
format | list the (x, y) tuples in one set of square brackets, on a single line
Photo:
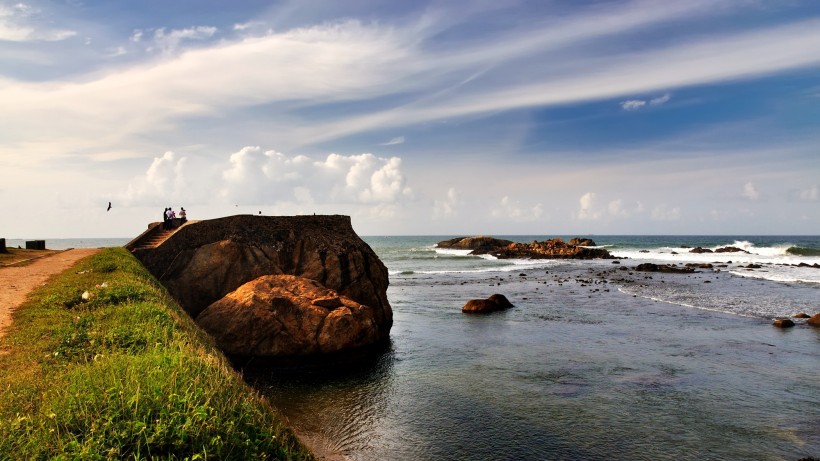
[(495, 117)]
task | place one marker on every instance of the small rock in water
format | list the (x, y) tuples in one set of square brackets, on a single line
[(801, 315), (783, 323), (814, 320)]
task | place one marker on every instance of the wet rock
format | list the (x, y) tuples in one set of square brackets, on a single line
[(753, 266), (731, 250), (814, 320), (494, 303), (783, 323), (650, 267), (700, 250), (801, 315), (700, 265)]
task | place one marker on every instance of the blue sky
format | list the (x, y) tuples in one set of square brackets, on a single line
[(494, 117)]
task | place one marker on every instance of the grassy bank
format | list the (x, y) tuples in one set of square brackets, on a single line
[(125, 374)]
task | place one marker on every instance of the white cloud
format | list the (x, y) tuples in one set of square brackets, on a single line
[(169, 41), (663, 213), (136, 36), (586, 211), (660, 100), (23, 23), (810, 194), (616, 208), (750, 192), (394, 141), (163, 181), (446, 207), (513, 210), (633, 104)]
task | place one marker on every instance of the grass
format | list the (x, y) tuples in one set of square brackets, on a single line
[(15, 255), (124, 374)]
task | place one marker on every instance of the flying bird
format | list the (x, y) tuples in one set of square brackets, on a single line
[(109, 206)]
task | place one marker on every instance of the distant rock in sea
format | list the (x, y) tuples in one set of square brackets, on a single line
[(585, 242), (479, 243), (650, 267), (505, 249)]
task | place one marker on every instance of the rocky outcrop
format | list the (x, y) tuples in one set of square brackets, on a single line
[(729, 249), (206, 260), (284, 315), (482, 244), (494, 303), (548, 249), (584, 242), (700, 250), (650, 267)]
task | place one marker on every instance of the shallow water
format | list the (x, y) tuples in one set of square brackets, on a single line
[(579, 369)]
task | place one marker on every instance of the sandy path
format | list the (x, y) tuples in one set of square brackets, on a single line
[(17, 282)]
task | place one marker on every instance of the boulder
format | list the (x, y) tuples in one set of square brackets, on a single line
[(480, 243), (650, 267), (204, 261), (578, 241), (494, 303), (284, 316), (814, 320), (700, 250), (783, 323), (801, 315)]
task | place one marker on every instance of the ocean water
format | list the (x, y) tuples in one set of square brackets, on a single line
[(593, 362)]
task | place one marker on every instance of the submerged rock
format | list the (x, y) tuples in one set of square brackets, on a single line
[(285, 315), (494, 303)]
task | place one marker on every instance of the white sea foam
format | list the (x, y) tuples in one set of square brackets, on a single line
[(452, 252)]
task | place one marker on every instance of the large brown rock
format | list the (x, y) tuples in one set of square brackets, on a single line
[(578, 241), (284, 316), (494, 303), (204, 261)]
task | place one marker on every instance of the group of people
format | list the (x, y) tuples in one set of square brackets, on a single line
[(170, 220)]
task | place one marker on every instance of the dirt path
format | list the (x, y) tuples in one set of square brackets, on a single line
[(17, 282)]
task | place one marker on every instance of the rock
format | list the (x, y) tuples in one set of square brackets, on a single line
[(700, 250), (285, 315), (548, 249), (204, 261), (700, 265), (643, 251), (801, 315), (753, 266), (494, 303), (578, 241), (650, 267), (731, 250), (814, 320), (783, 323), (479, 243)]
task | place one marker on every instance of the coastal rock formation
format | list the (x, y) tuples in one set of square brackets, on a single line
[(494, 303), (285, 315), (479, 243), (728, 249), (650, 267), (548, 249), (206, 260), (700, 250), (578, 241)]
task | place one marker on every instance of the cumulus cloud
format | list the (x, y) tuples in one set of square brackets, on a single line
[(446, 207), (663, 213), (586, 211), (750, 192), (163, 181), (254, 176), (512, 209)]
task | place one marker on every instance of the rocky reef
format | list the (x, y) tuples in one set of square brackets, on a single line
[(220, 272), (504, 249)]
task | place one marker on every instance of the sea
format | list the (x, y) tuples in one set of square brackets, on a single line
[(596, 361)]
